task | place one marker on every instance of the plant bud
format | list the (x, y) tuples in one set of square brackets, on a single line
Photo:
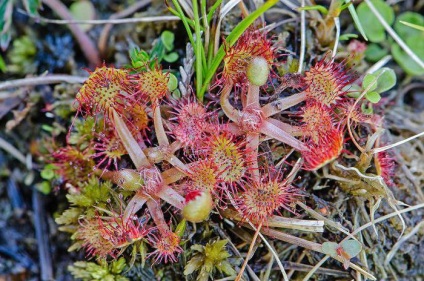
[(258, 71), (198, 206)]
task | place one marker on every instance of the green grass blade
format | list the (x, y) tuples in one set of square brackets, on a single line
[(213, 9), (198, 50), (355, 18), (184, 20), (231, 40), (416, 26)]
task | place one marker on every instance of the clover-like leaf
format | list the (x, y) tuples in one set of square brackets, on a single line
[(416, 43), (83, 10), (168, 38), (330, 248), (375, 52), (351, 247), (374, 29), (370, 82), (378, 82), (171, 57), (343, 251), (386, 79), (405, 31), (373, 97)]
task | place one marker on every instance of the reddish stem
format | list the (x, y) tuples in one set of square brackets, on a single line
[(157, 215), (135, 204), (282, 104), (159, 129), (295, 131), (136, 153), (269, 129), (172, 197), (252, 145), (232, 113), (252, 98)]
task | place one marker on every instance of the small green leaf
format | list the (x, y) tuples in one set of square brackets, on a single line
[(172, 82), (330, 248), (320, 8), (139, 58), (168, 38), (226, 267), (416, 43), (351, 247), (374, 52), (373, 97), (181, 227), (194, 264), (347, 36), (83, 10), (386, 79), (47, 173), (47, 128), (370, 82), (171, 57), (374, 29), (2, 65), (406, 31), (44, 187)]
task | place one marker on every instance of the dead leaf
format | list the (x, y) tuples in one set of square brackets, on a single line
[(18, 117)]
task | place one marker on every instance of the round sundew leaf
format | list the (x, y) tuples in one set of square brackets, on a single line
[(83, 10), (405, 31), (374, 29), (373, 97), (351, 247), (330, 248)]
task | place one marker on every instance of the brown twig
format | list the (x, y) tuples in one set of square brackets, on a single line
[(98, 22), (249, 253), (42, 80), (87, 46)]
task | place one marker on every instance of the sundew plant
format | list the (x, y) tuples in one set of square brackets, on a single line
[(236, 153)]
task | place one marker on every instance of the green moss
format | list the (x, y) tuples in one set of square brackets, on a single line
[(209, 258)]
